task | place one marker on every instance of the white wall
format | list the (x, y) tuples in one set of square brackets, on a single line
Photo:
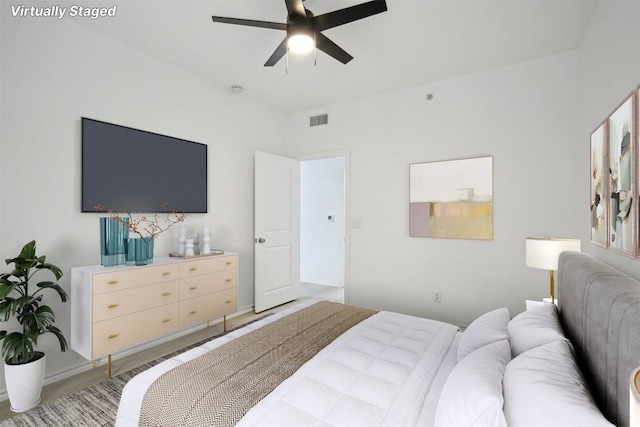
[(524, 116), (54, 72), (609, 70), (321, 240)]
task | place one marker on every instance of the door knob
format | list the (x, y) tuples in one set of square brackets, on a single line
[(260, 240)]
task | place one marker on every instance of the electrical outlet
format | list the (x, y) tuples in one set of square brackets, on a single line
[(437, 296)]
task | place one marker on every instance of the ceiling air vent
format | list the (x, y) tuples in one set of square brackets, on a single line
[(321, 119)]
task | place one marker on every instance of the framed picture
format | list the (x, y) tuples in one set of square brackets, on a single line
[(622, 177), (599, 207), (452, 199)]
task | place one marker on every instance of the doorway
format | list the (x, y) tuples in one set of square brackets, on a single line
[(323, 228)]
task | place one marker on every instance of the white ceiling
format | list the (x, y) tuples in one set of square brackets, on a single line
[(415, 42)]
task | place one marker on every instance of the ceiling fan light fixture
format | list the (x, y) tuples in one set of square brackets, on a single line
[(304, 29), (300, 43)]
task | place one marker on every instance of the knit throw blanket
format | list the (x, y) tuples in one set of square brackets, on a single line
[(219, 387)]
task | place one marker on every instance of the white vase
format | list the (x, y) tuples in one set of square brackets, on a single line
[(24, 383), (188, 251)]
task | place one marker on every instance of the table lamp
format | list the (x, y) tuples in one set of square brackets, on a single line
[(543, 253)]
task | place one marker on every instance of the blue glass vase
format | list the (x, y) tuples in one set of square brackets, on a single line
[(113, 236), (139, 250)]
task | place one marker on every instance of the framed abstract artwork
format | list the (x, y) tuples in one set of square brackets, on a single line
[(452, 199), (622, 177), (599, 192)]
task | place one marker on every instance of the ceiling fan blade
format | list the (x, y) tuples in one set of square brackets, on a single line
[(296, 8), (250, 23), (330, 48), (280, 51), (349, 14)]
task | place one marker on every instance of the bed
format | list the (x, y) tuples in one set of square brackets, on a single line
[(328, 364)]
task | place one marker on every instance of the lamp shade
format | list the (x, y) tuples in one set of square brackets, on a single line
[(543, 252)]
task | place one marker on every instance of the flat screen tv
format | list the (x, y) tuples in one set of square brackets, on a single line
[(131, 170)]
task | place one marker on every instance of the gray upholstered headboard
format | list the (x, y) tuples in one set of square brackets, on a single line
[(600, 313)]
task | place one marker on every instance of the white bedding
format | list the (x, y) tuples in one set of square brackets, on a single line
[(388, 370)]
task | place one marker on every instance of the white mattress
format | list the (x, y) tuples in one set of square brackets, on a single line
[(388, 370)]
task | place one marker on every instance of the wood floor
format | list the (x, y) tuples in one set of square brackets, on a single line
[(70, 385)]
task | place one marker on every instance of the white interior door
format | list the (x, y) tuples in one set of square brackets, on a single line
[(277, 230)]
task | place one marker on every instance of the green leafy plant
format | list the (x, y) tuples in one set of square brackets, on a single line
[(34, 317)]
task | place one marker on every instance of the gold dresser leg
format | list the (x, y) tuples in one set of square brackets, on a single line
[(94, 363), (109, 365)]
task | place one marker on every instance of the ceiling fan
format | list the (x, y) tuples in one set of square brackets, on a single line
[(304, 30)]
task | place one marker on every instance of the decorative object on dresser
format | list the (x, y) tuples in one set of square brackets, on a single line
[(206, 240), (182, 240), (113, 241), (23, 365), (137, 250), (116, 308), (543, 253)]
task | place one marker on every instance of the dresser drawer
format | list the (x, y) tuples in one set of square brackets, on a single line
[(115, 334), (126, 279), (207, 307), (207, 283), (120, 303), (207, 265)]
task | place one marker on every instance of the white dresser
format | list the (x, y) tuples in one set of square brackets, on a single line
[(113, 308)]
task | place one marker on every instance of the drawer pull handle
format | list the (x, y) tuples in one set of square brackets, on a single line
[(228, 280), (166, 294), (193, 288), (113, 305), (193, 311), (229, 263), (166, 273), (193, 269), (112, 336), (166, 320), (228, 301), (112, 282)]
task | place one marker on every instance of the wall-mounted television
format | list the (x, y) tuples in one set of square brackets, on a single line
[(131, 170)]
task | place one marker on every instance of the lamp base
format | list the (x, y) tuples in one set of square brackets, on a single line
[(548, 301)]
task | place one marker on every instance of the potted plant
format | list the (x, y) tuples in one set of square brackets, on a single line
[(23, 365)]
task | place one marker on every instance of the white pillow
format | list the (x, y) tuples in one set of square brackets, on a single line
[(544, 387), (488, 328), (472, 394), (534, 328)]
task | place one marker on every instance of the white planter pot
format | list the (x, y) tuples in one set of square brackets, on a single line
[(24, 384)]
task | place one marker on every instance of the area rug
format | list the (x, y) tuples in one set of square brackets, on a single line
[(93, 406)]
